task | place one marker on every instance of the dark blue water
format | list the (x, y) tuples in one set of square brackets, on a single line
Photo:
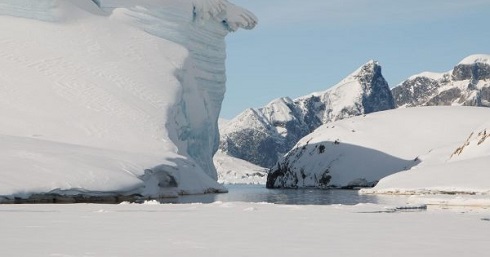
[(258, 194)]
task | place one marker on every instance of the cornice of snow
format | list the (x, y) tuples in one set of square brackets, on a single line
[(430, 75), (476, 58)]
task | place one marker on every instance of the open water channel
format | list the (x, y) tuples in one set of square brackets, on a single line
[(258, 194)]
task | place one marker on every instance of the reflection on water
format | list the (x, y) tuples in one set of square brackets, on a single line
[(258, 193)]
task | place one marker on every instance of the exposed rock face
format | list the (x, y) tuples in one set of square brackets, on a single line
[(467, 84), (415, 92), (262, 135), (475, 71), (307, 165)]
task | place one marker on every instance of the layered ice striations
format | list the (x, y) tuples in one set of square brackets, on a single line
[(201, 28), (158, 65)]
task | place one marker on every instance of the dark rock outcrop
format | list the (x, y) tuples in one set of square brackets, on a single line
[(262, 135), (467, 84)]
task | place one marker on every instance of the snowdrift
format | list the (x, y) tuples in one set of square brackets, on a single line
[(112, 97)]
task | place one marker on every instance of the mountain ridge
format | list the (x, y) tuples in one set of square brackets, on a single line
[(262, 135), (466, 85)]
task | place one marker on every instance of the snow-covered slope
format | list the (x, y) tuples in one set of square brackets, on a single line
[(361, 150), (465, 171), (467, 84), (118, 97), (232, 170), (262, 135)]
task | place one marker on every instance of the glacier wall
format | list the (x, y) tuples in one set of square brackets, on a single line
[(144, 77), (201, 27)]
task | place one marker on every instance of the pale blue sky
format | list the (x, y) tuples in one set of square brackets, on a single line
[(304, 46)]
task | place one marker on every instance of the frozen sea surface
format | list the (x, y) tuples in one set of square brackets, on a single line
[(240, 229)]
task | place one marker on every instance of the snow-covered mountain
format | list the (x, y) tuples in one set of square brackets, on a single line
[(232, 170), (112, 97), (262, 135), (467, 84), (361, 150)]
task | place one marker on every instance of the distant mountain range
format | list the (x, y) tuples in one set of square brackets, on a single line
[(262, 136), (467, 84), (449, 143)]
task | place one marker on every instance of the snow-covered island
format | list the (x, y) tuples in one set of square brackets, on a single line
[(110, 98), (439, 149)]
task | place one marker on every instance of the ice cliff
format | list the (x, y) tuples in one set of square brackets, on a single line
[(112, 97)]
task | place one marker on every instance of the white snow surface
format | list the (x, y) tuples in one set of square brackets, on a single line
[(240, 229), (430, 75), (432, 141), (114, 97), (476, 58), (232, 170), (465, 171), (347, 92)]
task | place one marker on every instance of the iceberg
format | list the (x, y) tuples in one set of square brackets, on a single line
[(109, 97)]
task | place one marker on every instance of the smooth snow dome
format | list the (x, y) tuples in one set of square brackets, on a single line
[(428, 74), (476, 58), (115, 97)]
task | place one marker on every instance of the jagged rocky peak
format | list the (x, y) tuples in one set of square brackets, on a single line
[(376, 96), (371, 68), (279, 111), (417, 89), (363, 91), (474, 67), (271, 131), (466, 84)]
